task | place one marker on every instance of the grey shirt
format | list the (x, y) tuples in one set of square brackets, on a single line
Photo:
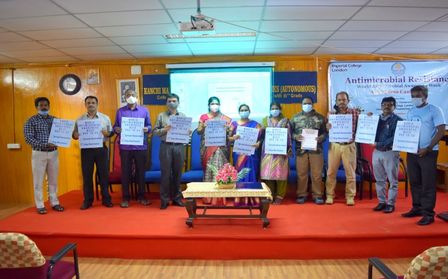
[(105, 122), (162, 121)]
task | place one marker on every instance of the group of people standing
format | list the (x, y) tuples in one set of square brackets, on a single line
[(269, 168)]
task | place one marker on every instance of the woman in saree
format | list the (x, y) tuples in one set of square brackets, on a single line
[(241, 161), (274, 168), (213, 155)]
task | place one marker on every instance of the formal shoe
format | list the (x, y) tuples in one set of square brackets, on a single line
[(380, 206), (426, 220), (277, 201), (319, 201), (389, 208), (178, 203), (411, 213), (58, 207), (163, 205), (329, 200), (42, 210), (108, 204), (301, 200), (124, 204), (144, 202), (350, 201), (85, 206)]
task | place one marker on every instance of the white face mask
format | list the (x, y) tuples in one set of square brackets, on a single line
[(214, 108), (131, 100), (307, 107), (43, 112), (417, 101), (275, 112), (244, 114)]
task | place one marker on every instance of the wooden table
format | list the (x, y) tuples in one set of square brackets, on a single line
[(198, 190)]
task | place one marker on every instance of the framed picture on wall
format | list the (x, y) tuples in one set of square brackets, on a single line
[(93, 76), (122, 86)]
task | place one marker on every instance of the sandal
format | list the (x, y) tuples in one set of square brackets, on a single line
[(42, 210), (58, 208)]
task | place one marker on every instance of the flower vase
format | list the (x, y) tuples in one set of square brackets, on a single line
[(226, 186)]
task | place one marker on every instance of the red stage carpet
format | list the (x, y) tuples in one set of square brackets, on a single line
[(296, 232)]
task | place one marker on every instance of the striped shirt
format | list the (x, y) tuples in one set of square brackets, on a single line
[(37, 131)]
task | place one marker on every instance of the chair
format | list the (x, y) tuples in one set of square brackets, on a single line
[(21, 258), (97, 178), (153, 174), (432, 263), (195, 172), (366, 153)]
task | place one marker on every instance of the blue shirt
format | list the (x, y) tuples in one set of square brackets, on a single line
[(430, 117), (137, 112), (385, 132)]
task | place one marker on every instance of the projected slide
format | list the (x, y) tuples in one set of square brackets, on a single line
[(232, 86)]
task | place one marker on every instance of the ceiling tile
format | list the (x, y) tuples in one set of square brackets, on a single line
[(79, 43), (328, 50), (138, 30), (288, 44), (416, 44), (409, 3), (313, 13), (76, 33), (221, 14), (139, 40), (161, 54), (442, 51), (176, 4), (218, 40), (429, 36), (6, 59), (236, 26), (291, 25), (156, 47), (316, 2), (355, 43), (89, 6), (435, 26), (109, 56), (366, 35), (24, 8), (50, 59), (383, 13), (284, 51), (6, 37), (93, 50), (226, 46), (125, 18), (22, 54), (293, 36), (403, 50), (22, 46), (370, 25), (42, 23), (216, 52)]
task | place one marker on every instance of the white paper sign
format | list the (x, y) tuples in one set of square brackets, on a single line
[(61, 132), (180, 129), (406, 136), (90, 135), (276, 141), (132, 131), (248, 137), (341, 127), (309, 141), (215, 133), (366, 129)]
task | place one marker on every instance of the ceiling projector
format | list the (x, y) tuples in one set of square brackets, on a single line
[(197, 26)]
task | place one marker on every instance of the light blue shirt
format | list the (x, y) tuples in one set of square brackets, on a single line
[(430, 117)]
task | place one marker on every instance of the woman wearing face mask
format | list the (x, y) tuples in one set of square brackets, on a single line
[(214, 155), (241, 161), (274, 168)]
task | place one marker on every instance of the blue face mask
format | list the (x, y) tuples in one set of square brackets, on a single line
[(307, 107), (275, 112), (43, 112), (244, 114)]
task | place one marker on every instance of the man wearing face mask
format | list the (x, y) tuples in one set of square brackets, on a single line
[(138, 153), (309, 161), (172, 156), (45, 157), (422, 166), (95, 156)]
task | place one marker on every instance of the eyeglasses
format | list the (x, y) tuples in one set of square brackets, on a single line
[(387, 105)]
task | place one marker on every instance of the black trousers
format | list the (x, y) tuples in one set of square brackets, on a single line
[(422, 177), (139, 157), (172, 157), (90, 157)]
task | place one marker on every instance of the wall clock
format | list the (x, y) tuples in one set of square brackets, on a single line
[(70, 84)]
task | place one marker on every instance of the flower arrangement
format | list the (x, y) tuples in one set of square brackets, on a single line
[(227, 175)]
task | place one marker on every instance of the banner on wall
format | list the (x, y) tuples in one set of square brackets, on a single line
[(292, 87), (368, 83), (155, 89)]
